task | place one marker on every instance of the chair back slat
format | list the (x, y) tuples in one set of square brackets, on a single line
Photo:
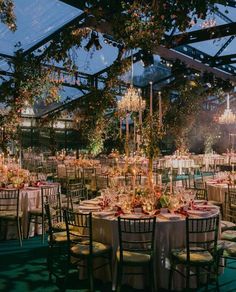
[(136, 234), (230, 204), (51, 195), (9, 200), (202, 232), (76, 192), (201, 194), (78, 227)]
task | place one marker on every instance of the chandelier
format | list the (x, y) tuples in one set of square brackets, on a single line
[(228, 117), (132, 100)]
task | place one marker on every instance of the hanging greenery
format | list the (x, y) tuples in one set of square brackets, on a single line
[(7, 15), (183, 101), (134, 24), (59, 47), (152, 135), (29, 83), (143, 23)]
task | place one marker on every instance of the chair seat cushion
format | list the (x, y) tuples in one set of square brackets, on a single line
[(133, 257), (59, 226), (59, 237), (83, 248), (226, 225), (36, 211), (10, 215), (229, 235), (197, 255), (229, 249)]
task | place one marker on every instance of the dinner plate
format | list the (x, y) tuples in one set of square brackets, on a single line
[(199, 213), (103, 214), (89, 202), (135, 215), (200, 202), (170, 216), (89, 208)]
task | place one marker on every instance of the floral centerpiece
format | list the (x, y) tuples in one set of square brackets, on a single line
[(114, 154), (13, 175)]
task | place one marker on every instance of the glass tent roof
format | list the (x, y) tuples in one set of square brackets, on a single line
[(93, 61), (38, 19), (35, 19), (224, 15), (211, 47)]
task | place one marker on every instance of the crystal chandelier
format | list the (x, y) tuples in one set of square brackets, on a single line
[(132, 100), (228, 117)]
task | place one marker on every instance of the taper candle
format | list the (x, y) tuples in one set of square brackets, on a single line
[(160, 110), (150, 98)]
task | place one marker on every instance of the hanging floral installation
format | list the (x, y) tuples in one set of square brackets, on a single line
[(143, 23), (134, 24)]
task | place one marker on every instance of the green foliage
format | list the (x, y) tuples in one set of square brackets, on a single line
[(30, 82), (142, 24), (7, 15), (183, 101), (135, 24), (152, 135), (96, 136)]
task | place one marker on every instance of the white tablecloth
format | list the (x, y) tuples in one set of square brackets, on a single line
[(169, 235), (30, 198)]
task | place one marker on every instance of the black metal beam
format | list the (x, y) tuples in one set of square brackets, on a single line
[(4, 73), (231, 3), (224, 46), (185, 55), (80, 4), (223, 60), (227, 20), (5, 56), (63, 106), (202, 35), (203, 58)]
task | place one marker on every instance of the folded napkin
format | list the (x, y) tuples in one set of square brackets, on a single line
[(171, 216), (199, 213), (103, 214), (119, 211), (89, 207)]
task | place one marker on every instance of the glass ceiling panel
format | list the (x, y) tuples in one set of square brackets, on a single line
[(229, 12), (67, 94), (143, 75), (92, 61), (210, 47), (36, 19), (4, 66), (230, 49)]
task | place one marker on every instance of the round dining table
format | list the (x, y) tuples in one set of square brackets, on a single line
[(30, 198), (170, 233)]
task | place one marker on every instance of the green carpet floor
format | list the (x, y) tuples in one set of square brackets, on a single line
[(24, 270)]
